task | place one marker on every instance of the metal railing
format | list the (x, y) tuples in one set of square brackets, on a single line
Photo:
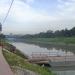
[(54, 57)]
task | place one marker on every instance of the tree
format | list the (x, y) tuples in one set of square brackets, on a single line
[(72, 31)]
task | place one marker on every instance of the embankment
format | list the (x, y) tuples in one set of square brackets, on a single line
[(16, 59)]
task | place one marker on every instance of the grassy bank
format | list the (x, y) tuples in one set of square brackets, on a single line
[(58, 40), (8, 46), (15, 60)]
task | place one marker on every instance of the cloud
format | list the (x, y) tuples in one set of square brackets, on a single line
[(23, 12), (25, 18), (29, 2), (3, 8), (60, 1), (66, 8)]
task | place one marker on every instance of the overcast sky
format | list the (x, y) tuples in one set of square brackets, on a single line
[(34, 16)]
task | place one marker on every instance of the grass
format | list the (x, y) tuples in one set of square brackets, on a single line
[(58, 40), (18, 52), (15, 60)]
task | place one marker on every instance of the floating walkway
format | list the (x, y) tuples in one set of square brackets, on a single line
[(44, 58)]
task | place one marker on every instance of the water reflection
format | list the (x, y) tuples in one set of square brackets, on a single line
[(30, 48), (53, 50), (66, 47), (64, 70)]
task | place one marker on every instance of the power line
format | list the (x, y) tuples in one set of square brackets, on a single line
[(8, 11)]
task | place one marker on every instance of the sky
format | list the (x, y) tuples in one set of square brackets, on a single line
[(34, 16)]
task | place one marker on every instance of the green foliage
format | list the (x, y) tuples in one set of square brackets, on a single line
[(57, 40), (51, 34), (17, 52), (15, 60)]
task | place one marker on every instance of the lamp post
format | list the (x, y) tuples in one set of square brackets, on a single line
[(0, 28), (1, 35)]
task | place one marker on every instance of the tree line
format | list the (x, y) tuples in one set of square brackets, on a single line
[(50, 34)]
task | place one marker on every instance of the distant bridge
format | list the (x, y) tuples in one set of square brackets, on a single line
[(45, 58)]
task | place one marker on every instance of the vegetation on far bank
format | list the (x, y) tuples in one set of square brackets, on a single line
[(52, 34), (64, 36), (15, 60), (58, 40)]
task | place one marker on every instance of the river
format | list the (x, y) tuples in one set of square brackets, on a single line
[(28, 49)]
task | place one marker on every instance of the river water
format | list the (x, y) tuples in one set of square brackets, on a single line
[(28, 49)]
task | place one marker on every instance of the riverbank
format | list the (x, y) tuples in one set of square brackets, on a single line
[(8, 47), (17, 59), (54, 41)]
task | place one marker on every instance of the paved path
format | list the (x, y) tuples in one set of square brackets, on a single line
[(4, 67)]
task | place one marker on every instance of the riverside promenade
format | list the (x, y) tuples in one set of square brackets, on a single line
[(4, 67)]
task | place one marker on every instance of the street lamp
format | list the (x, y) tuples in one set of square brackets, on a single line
[(1, 35), (0, 28)]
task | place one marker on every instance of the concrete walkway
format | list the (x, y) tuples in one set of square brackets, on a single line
[(4, 67)]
